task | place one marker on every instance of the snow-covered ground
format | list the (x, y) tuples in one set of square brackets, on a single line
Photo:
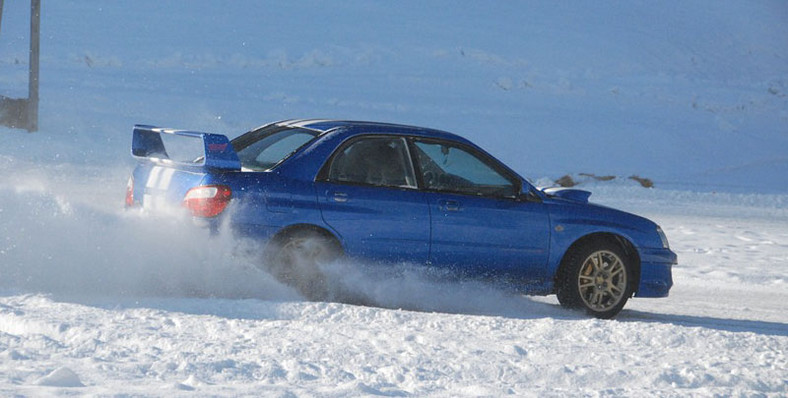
[(94, 301), (85, 311)]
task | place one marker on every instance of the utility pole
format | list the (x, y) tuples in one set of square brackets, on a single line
[(23, 112), (1, 14), (32, 84)]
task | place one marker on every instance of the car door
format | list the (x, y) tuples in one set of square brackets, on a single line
[(369, 196), (480, 222)]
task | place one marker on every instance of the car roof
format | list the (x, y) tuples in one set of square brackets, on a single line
[(352, 127), (341, 130)]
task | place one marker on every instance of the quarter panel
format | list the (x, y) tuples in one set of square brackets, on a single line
[(573, 221), (265, 202)]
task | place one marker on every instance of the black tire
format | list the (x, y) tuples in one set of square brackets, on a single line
[(295, 259), (596, 276)]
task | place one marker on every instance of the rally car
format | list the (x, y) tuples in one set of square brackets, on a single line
[(312, 191)]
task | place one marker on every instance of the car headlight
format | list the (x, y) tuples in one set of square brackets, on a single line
[(663, 237)]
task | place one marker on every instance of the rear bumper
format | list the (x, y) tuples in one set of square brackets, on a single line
[(656, 272)]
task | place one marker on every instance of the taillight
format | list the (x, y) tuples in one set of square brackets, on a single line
[(207, 200), (130, 192)]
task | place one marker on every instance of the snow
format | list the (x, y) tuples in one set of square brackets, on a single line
[(61, 377), (95, 301)]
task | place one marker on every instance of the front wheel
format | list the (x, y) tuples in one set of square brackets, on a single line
[(597, 277)]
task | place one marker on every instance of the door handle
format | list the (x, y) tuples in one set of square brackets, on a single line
[(449, 205), (340, 197)]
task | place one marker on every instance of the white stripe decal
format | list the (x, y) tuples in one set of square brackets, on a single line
[(156, 187)]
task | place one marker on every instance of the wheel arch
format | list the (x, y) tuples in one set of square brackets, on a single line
[(294, 229), (604, 237)]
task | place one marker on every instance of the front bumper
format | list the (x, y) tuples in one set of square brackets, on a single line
[(656, 275)]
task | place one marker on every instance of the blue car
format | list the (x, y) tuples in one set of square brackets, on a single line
[(312, 191)]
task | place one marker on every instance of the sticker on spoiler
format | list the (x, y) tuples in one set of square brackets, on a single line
[(217, 147)]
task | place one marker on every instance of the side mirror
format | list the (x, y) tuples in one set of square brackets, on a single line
[(528, 194)]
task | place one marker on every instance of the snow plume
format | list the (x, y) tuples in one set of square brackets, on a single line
[(53, 245), (419, 288), (388, 285)]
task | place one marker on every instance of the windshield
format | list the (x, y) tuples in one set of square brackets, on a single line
[(265, 148)]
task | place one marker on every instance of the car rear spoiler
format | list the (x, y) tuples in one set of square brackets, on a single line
[(218, 153)]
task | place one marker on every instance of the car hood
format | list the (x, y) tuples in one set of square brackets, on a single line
[(571, 208)]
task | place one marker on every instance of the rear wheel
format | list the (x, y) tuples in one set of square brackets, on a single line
[(596, 276), (295, 259)]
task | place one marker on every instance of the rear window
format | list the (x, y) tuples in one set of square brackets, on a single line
[(263, 149)]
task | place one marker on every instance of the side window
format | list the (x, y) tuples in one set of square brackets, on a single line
[(380, 161), (449, 168), (269, 149)]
